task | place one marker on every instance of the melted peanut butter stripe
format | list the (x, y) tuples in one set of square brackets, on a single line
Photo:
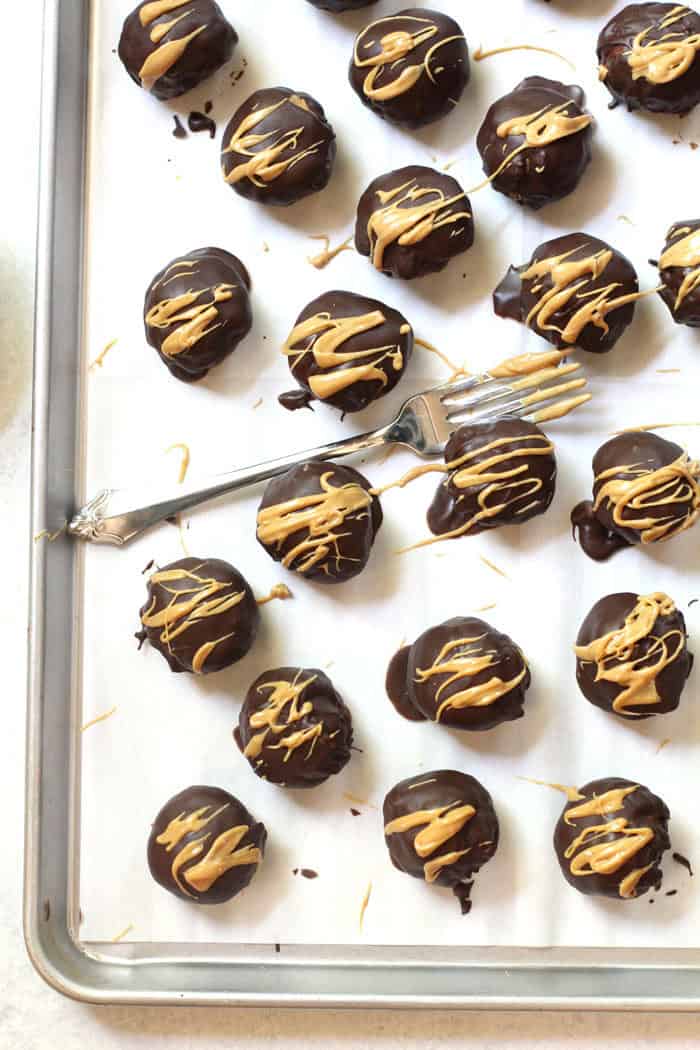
[(479, 55), (406, 217), (164, 58), (438, 825), (191, 316), (458, 662), (648, 490), (685, 254), (270, 153), (670, 56), (320, 516), (395, 49), (614, 659), (326, 336), (273, 719)]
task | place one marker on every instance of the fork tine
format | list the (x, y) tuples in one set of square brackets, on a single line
[(493, 391), (508, 401)]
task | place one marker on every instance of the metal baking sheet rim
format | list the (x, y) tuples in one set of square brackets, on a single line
[(602, 979)]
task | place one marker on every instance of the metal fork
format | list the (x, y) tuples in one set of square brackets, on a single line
[(424, 424)]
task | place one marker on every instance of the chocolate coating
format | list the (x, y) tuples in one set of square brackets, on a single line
[(573, 291), (410, 67), (462, 673), (294, 727), (629, 65), (645, 490), (278, 147), (636, 658), (412, 221), (679, 271), (346, 350), (338, 6), (544, 171), (200, 615), (204, 846), (197, 310), (501, 473), (320, 520), (617, 852), (171, 46), (441, 827)]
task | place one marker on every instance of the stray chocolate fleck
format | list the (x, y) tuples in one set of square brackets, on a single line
[(201, 122), (355, 812), (208, 106), (141, 637), (309, 873), (684, 862), (179, 131), (149, 566), (671, 893), (277, 948), (693, 601), (47, 910)]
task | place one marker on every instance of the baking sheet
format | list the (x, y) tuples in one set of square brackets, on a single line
[(153, 197)]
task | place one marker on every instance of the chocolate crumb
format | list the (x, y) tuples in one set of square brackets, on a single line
[(208, 107), (201, 122), (309, 873), (671, 893), (277, 948), (178, 131), (355, 812), (693, 145), (149, 566), (683, 861), (693, 601)]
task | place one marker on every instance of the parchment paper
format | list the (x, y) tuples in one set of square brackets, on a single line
[(152, 198)]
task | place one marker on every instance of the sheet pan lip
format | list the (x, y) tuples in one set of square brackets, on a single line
[(60, 959)]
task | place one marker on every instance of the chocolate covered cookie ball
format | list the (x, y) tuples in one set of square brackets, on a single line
[(632, 655), (410, 67), (648, 57), (535, 142), (412, 221), (645, 490), (611, 837), (679, 271), (462, 673), (501, 473), (320, 520), (294, 727), (576, 290), (278, 147), (200, 615), (339, 6), (204, 846), (346, 350), (441, 827), (170, 46), (197, 310)]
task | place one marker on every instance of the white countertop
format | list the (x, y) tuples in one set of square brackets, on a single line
[(31, 1014)]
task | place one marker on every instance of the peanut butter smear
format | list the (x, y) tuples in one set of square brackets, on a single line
[(614, 659), (666, 58), (458, 662), (270, 153), (394, 54), (480, 54), (328, 254), (409, 214), (274, 720), (685, 254), (223, 854), (438, 825)]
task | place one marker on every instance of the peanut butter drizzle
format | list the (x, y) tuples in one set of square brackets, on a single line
[(675, 483), (684, 253), (541, 128), (613, 654), (99, 718), (272, 718), (526, 364), (479, 55), (280, 591), (327, 254), (571, 278), (99, 360), (192, 318), (163, 28), (327, 335), (184, 459), (667, 58), (456, 370), (150, 11), (571, 793), (410, 224), (395, 48), (438, 826), (320, 516), (205, 599), (266, 164), (463, 666), (164, 58), (222, 856)]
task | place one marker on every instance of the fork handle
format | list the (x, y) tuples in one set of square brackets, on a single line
[(116, 516)]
